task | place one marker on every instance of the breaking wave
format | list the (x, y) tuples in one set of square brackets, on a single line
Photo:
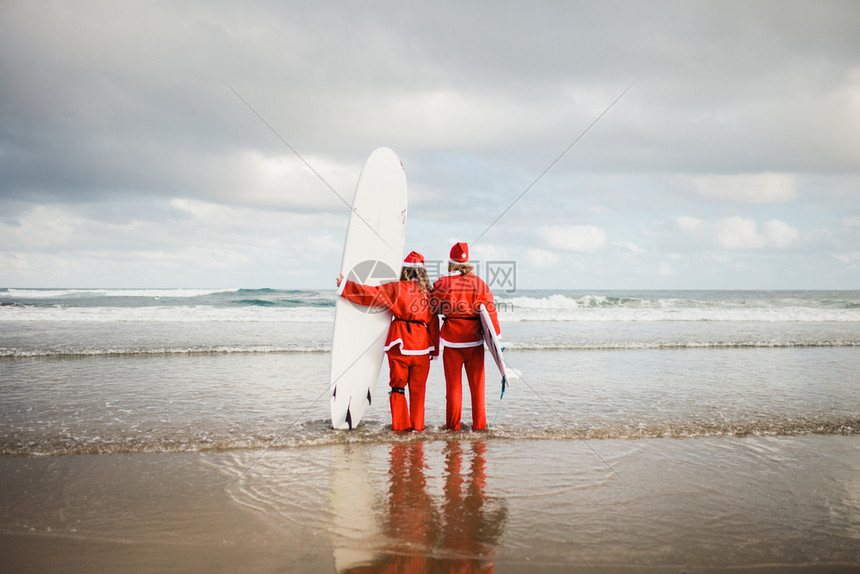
[(560, 307), (281, 305)]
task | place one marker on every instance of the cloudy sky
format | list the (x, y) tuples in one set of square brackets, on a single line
[(733, 161)]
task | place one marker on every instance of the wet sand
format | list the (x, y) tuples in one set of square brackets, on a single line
[(460, 503), (135, 513)]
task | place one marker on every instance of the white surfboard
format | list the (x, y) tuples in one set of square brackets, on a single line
[(372, 254), (492, 342)]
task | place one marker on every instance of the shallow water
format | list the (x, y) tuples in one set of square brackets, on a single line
[(636, 437), (702, 502), (173, 403)]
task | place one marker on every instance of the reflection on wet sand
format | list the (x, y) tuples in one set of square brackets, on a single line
[(424, 532)]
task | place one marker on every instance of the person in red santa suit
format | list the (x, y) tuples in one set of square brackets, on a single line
[(411, 336), (457, 298)]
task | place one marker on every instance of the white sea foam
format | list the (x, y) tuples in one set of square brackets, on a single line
[(71, 352), (323, 347), (266, 305), (513, 311), (166, 314), (653, 345), (318, 433), (598, 308)]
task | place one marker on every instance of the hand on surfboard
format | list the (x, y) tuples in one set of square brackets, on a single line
[(339, 279)]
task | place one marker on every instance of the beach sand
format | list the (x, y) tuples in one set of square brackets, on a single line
[(139, 513), (442, 502)]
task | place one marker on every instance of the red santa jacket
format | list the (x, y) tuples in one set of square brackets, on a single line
[(457, 298), (414, 326)]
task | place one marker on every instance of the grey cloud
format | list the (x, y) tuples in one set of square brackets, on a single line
[(116, 108), (130, 97)]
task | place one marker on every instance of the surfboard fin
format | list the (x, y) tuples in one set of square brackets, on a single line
[(369, 399), (348, 418)]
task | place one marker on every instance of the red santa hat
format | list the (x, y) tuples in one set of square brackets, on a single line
[(459, 253), (414, 259)]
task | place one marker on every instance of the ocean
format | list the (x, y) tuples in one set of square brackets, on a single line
[(647, 430)]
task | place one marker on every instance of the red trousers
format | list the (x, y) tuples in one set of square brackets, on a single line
[(407, 371), (454, 360)]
